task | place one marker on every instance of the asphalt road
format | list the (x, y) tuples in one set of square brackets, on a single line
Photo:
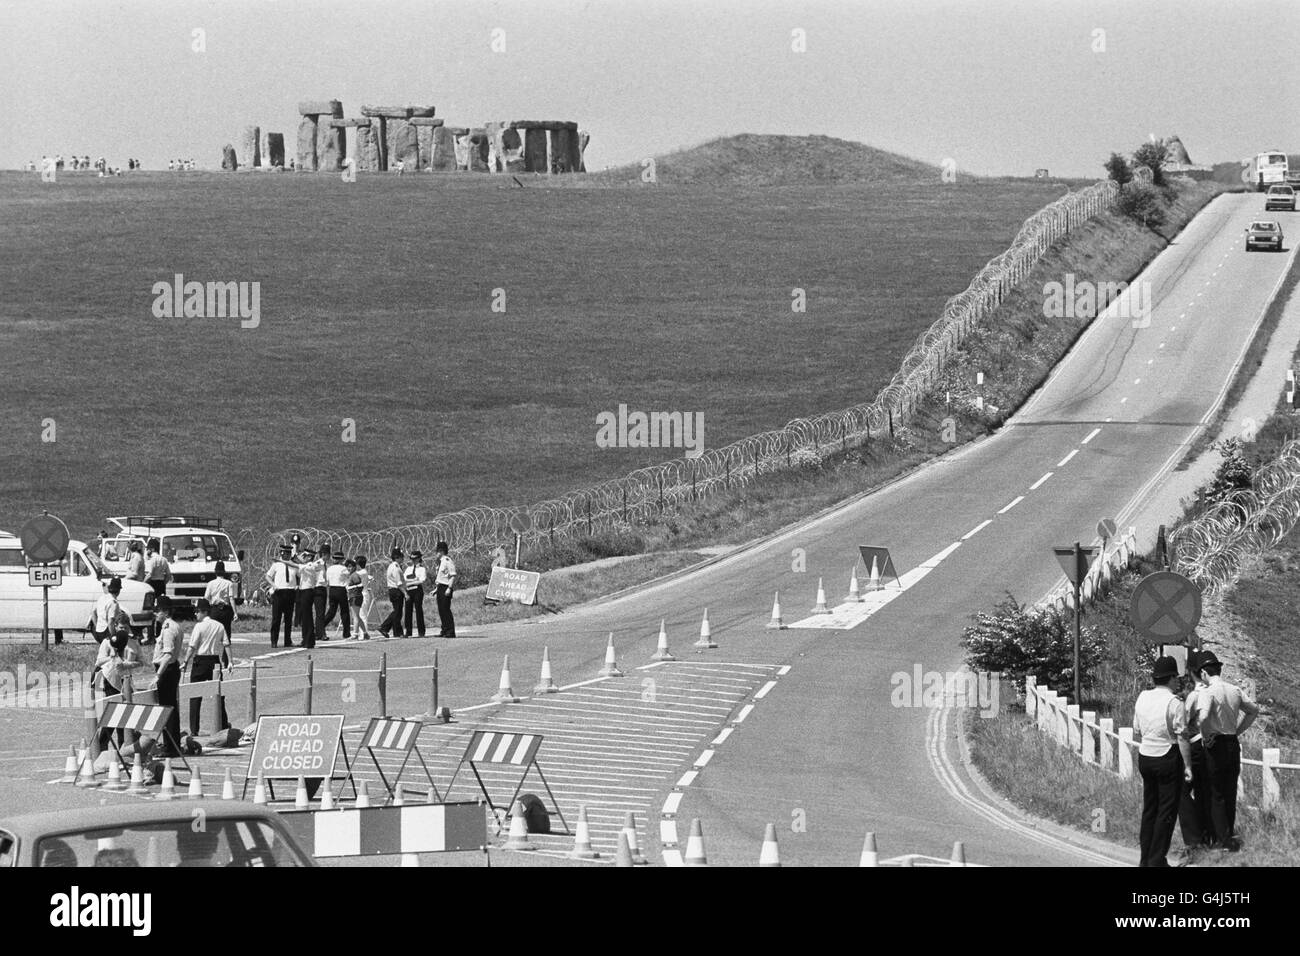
[(802, 727)]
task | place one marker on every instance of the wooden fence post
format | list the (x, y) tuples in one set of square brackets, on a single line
[(1270, 792), (1088, 736), (1125, 753), (1106, 744), (307, 692), (383, 684), (1073, 729), (1031, 697), (252, 693)]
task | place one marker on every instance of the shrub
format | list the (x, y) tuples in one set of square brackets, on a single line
[(1143, 202), (1233, 474), (1153, 156), (1019, 641), (1118, 169)]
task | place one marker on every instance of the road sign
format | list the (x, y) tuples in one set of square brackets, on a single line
[(1165, 607), (508, 584), (287, 747), (1076, 569), (44, 539), (1107, 529), (45, 575), (884, 564), (520, 523)]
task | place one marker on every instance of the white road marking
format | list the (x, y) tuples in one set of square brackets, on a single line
[(744, 712), (1062, 463), (977, 529), (726, 732), (703, 759), (1034, 486), (667, 833), (672, 803), (1091, 435), (1123, 400), (688, 778), (785, 669), (1015, 501), (764, 690)]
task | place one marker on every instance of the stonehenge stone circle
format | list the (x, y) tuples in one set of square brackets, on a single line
[(307, 144), (228, 160), (443, 154), (250, 147)]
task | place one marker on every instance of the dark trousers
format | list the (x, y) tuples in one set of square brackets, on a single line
[(1194, 805), (1162, 785), (448, 622), (224, 615), (320, 598), (1223, 766), (282, 602), (414, 609), (204, 666), (159, 588), (169, 683), (106, 734), (339, 605), (306, 603), (393, 623)]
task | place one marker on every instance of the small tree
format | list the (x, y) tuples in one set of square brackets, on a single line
[(1142, 202), (1153, 155), (1233, 473), (1118, 169), (1020, 640)]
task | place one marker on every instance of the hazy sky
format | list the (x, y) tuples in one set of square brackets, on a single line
[(1000, 86)]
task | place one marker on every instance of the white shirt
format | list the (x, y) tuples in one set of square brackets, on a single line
[(169, 644), (446, 571), (156, 568), (416, 577), (1161, 718), (220, 591), (1219, 706), (394, 575), (207, 638), (283, 576), (106, 609), (309, 573), (336, 576)]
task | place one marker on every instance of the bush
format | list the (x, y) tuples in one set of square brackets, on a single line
[(1118, 169), (1144, 203), (1019, 641), (1153, 156), (1233, 474)]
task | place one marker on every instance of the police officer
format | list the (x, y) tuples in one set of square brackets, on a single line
[(396, 582), (309, 569), (208, 647), (1163, 758), (336, 578), (1194, 809), (446, 584), (1224, 713), (320, 594), (415, 578), (282, 577), (167, 661)]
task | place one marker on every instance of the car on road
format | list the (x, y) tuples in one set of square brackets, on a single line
[(1279, 197), (1264, 234), (71, 603), (191, 544), (233, 834)]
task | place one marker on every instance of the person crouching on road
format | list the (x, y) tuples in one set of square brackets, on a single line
[(415, 577), (393, 577), (1163, 760), (1220, 708), (207, 648), (445, 582), (167, 661), (336, 579), (220, 593)]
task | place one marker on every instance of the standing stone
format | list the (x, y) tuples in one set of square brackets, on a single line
[(424, 143), (478, 150), (250, 147), (403, 145), (367, 150), (273, 154), (442, 157), (462, 147), (535, 150), (331, 147), (228, 160), (583, 139), (379, 130), (307, 144)]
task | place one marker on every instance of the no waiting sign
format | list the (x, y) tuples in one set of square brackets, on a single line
[(1165, 607), (291, 746)]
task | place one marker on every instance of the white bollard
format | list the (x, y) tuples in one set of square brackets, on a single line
[(1106, 744), (1125, 753), (1271, 793), (1072, 728), (1088, 737)]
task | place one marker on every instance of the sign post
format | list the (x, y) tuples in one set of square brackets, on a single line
[(519, 524), (1075, 561), (45, 541)]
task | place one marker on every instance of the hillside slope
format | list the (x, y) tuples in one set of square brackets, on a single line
[(757, 160)]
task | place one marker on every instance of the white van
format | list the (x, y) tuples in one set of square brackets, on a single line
[(192, 546), (72, 603)]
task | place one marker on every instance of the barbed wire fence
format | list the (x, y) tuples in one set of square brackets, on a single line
[(650, 494)]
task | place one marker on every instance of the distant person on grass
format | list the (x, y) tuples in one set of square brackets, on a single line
[(446, 585), (1224, 713), (1163, 760)]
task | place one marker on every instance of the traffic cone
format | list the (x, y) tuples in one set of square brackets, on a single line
[(695, 846), (776, 621), (661, 652), (86, 772), (70, 766), (504, 694), (227, 786), (545, 683), (869, 855), (518, 839), (873, 584), (769, 856), (137, 777), (629, 834), (582, 839), (821, 607), (114, 781), (706, 633), (327, 798), (167, 791), (363, 796), (399, 798), (300, 799), (259, 790), (854, 594), (196, 785), (958, 854), (623, 855), (611, 667)]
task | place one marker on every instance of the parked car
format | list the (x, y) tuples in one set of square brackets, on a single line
[(1279, 197), (71, 603), (1264, 234), (234, 834)]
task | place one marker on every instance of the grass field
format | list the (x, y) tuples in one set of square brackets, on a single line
[(376, 305)]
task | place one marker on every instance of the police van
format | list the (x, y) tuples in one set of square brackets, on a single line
[(191, 544), (71, 604)]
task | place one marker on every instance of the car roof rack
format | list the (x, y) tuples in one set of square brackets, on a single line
[(150, 522)]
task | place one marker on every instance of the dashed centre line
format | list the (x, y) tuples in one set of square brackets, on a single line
[(1015, 501), (1091, 435), (977, 529), (1062, 463), (1040, 481)]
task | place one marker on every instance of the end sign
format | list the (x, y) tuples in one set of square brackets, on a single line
[(45, 575)]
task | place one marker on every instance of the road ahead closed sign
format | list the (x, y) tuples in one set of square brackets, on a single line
[(288, 747), (507, 584)]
